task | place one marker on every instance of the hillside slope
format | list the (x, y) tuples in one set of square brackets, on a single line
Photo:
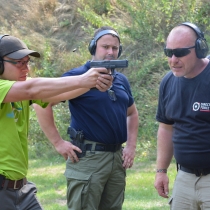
[(38, 21)]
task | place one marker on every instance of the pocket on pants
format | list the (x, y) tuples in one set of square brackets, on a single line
[(77, 189)]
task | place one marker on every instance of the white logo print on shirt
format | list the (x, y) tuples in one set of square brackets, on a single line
[(202, 107)]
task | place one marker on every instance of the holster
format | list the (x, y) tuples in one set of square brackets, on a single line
[(77, 139), (82, 146)]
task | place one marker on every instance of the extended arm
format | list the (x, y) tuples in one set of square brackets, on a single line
[(66, 96), (132, 132), (41, 88), (164, 156)]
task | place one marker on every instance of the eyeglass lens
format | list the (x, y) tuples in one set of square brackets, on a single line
[(22, 63), (19, 64), (179, 52)]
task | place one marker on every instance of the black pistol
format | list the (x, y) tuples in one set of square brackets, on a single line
[(110, 64)]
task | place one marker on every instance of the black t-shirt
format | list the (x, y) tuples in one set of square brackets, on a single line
[(185, 104)]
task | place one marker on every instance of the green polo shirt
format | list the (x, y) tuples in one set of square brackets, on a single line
[(14, 123)]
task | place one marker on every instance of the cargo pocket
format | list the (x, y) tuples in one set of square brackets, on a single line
[(77, 189)]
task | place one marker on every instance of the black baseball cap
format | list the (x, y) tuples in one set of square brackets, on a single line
[(14, 48)]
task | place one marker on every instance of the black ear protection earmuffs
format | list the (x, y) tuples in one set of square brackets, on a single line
[(1, 59), (93, 42), (201, 46)]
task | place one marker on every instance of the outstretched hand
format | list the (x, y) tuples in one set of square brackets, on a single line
[(104, 82), (97, 78)]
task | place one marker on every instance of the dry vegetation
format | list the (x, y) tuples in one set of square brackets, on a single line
[(38, 22)]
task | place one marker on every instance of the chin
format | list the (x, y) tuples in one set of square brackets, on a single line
[(178, 74), (22, 79)]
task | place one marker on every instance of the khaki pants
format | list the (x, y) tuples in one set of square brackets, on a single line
[(96, 182), (190, 192)]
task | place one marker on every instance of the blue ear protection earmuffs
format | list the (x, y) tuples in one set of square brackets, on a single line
[(93, 42), (201, 46)]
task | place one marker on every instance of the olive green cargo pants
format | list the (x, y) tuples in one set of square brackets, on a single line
[(96, 182)]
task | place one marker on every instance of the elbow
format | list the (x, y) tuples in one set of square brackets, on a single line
[(32, 94)]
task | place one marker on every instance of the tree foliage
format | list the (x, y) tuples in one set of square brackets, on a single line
[(143, 27)]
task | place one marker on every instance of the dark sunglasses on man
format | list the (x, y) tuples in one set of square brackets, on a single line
[(178, 52)]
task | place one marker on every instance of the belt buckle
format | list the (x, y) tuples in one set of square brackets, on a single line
[(15, 185)]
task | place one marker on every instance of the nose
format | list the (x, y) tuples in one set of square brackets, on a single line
[(174, 58), (25, 67), (110, 51)]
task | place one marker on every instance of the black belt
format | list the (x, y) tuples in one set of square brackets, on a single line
[(101, 147), (104, 147), (197, 172)]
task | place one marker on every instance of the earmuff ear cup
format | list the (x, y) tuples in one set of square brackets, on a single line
[(93, 42), (201, 46), (92, 47), (1, 59), (120, 51), (1, 66)]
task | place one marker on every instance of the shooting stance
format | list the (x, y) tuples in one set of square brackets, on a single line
[(100, 123), (17, 93)]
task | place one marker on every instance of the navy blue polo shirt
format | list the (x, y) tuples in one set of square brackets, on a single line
[(100, 118)]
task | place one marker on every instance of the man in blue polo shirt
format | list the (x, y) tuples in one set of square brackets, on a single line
[(96, 180)]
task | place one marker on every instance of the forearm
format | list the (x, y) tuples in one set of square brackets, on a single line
[(132, 130), (132, 126), (47, 123), (164, 146), (40, 88), (67, 96)]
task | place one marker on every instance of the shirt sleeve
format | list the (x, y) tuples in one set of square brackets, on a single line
[(5, 86), (161, 110)]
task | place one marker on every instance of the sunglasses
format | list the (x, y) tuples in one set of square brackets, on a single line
[(19, 64), (179, 52)]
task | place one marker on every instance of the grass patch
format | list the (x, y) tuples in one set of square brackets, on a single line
[(50, 181), (140, 192)]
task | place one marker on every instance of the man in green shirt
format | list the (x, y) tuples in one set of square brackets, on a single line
[(17, 93)]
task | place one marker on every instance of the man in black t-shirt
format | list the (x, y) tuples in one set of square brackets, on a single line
[(184, 119)]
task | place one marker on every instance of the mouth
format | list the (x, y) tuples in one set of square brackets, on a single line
[(176, 68), (23, 77), (109, 58)]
